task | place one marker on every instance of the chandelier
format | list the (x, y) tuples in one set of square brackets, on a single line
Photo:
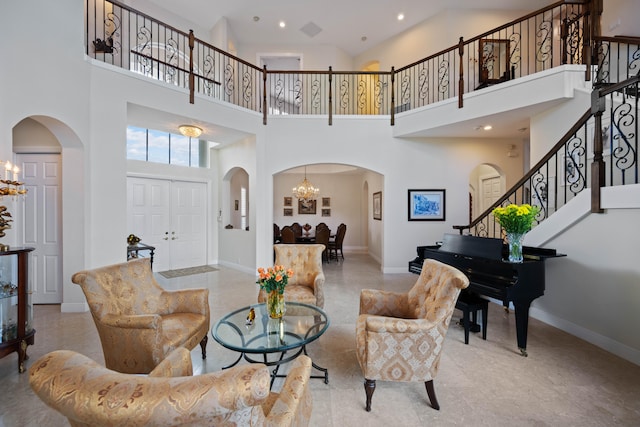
[(305, 191)]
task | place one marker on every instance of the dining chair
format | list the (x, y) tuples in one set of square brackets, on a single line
[(322, 238), (287, 235), (335, 246)]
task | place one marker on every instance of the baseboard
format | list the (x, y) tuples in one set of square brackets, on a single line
[(238, 267), (605, 343), (74, 307)]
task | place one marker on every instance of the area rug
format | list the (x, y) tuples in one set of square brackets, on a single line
[(171, 274)]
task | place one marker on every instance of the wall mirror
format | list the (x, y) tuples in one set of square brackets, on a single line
[(494, 61)]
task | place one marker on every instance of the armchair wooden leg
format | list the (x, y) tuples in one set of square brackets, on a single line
[(203, 346), (369, 388), (432, 395)]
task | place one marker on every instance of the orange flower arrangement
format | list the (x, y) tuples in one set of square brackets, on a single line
[(274, 278)]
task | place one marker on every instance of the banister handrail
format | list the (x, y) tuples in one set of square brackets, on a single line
[(532, 171)]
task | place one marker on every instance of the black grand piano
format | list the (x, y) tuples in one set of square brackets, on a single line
[(482, 260)]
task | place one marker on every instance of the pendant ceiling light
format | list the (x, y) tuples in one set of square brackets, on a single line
[(305, 191), (190, 131)]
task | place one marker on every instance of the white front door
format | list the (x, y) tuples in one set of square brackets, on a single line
[(41, 224), (189, 224), (171, 216)]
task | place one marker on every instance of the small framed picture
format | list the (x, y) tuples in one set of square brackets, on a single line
[(377, 205), (307, 207), (426, 205), (288, 212), (326, 212), (326, 202), (288, 201), (237, 204)]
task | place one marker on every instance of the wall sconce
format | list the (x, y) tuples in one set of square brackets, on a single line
[(190, 131)]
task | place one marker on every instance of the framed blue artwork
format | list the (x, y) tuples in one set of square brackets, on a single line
[(427, 205)]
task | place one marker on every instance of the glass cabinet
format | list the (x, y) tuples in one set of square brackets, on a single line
[(16, 309)]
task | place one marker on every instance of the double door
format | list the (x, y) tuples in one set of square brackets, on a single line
[(170, 215)]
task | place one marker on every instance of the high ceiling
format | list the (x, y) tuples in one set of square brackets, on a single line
[(337, 22)]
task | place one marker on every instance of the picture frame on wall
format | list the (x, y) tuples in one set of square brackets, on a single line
[(377, 205), (326, 202), (426, 205), (326, 212), (288, 201), (287, 212), (307, 208)]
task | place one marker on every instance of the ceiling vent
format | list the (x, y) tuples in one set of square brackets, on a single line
[(311, 29)]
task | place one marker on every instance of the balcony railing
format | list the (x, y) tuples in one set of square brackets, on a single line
[(124, 37)]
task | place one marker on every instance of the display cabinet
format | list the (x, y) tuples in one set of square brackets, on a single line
[(16, 309)]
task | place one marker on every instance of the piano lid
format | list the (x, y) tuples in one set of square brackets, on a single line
[(472, 246)]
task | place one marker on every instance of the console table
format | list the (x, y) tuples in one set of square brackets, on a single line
[(133, 251)]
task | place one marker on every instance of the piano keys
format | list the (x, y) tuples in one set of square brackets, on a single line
[(481, 259)]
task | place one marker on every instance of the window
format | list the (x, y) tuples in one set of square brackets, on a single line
[(243, 208), (163, 147)]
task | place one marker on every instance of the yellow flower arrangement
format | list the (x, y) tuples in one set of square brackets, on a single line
[(274, 278), (516, 219)]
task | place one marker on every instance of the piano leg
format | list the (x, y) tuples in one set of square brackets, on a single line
[(521, 309)]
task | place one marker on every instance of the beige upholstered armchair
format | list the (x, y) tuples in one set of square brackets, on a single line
[(399, 337), (307, 283), (88, 394), (139, 323)]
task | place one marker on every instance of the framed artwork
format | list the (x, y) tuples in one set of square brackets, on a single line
[(307, 208), (288, 212), (426, 205), (326, 212), (377, 205), (288, 201), (326, 202), (237, 204)]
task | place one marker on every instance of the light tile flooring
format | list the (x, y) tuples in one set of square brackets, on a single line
[(564, 381)]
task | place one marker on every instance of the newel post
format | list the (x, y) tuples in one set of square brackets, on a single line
[(330, 97), (265, 107), (598, 105), (192, 83), (393, 96), (461, 81)]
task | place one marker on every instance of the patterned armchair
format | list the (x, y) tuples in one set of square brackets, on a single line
[(399, 337), (307, 283), (139, 323), (88, 394)]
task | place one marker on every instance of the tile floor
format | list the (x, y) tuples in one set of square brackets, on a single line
[(564, 381)]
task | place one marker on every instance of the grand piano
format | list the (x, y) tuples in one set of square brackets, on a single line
[(481, 259)]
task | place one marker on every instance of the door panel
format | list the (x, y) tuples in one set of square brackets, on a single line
[(41, 219), (170, 215)]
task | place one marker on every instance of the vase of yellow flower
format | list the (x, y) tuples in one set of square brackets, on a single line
[(516, 222), (273, 281)]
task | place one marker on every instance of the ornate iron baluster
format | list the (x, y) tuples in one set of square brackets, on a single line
[(624, 155), (544, 40), (171, 58), (443, 76)]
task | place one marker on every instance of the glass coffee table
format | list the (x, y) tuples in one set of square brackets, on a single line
[(272, 341)]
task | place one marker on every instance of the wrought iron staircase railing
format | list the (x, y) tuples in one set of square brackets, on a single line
[(582, 159)]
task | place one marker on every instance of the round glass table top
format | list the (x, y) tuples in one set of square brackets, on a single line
[(301, 324)]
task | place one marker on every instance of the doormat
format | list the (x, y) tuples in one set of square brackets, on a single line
[(170, 274)]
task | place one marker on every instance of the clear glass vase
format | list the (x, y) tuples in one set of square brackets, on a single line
[(275, 304), (515, 246)]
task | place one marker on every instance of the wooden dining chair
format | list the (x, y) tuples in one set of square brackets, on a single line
[(287, 235)]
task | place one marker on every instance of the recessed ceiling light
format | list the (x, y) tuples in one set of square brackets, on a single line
[(400, 16), (363, 38), (487, 127), (282, 24), (256, 18)]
